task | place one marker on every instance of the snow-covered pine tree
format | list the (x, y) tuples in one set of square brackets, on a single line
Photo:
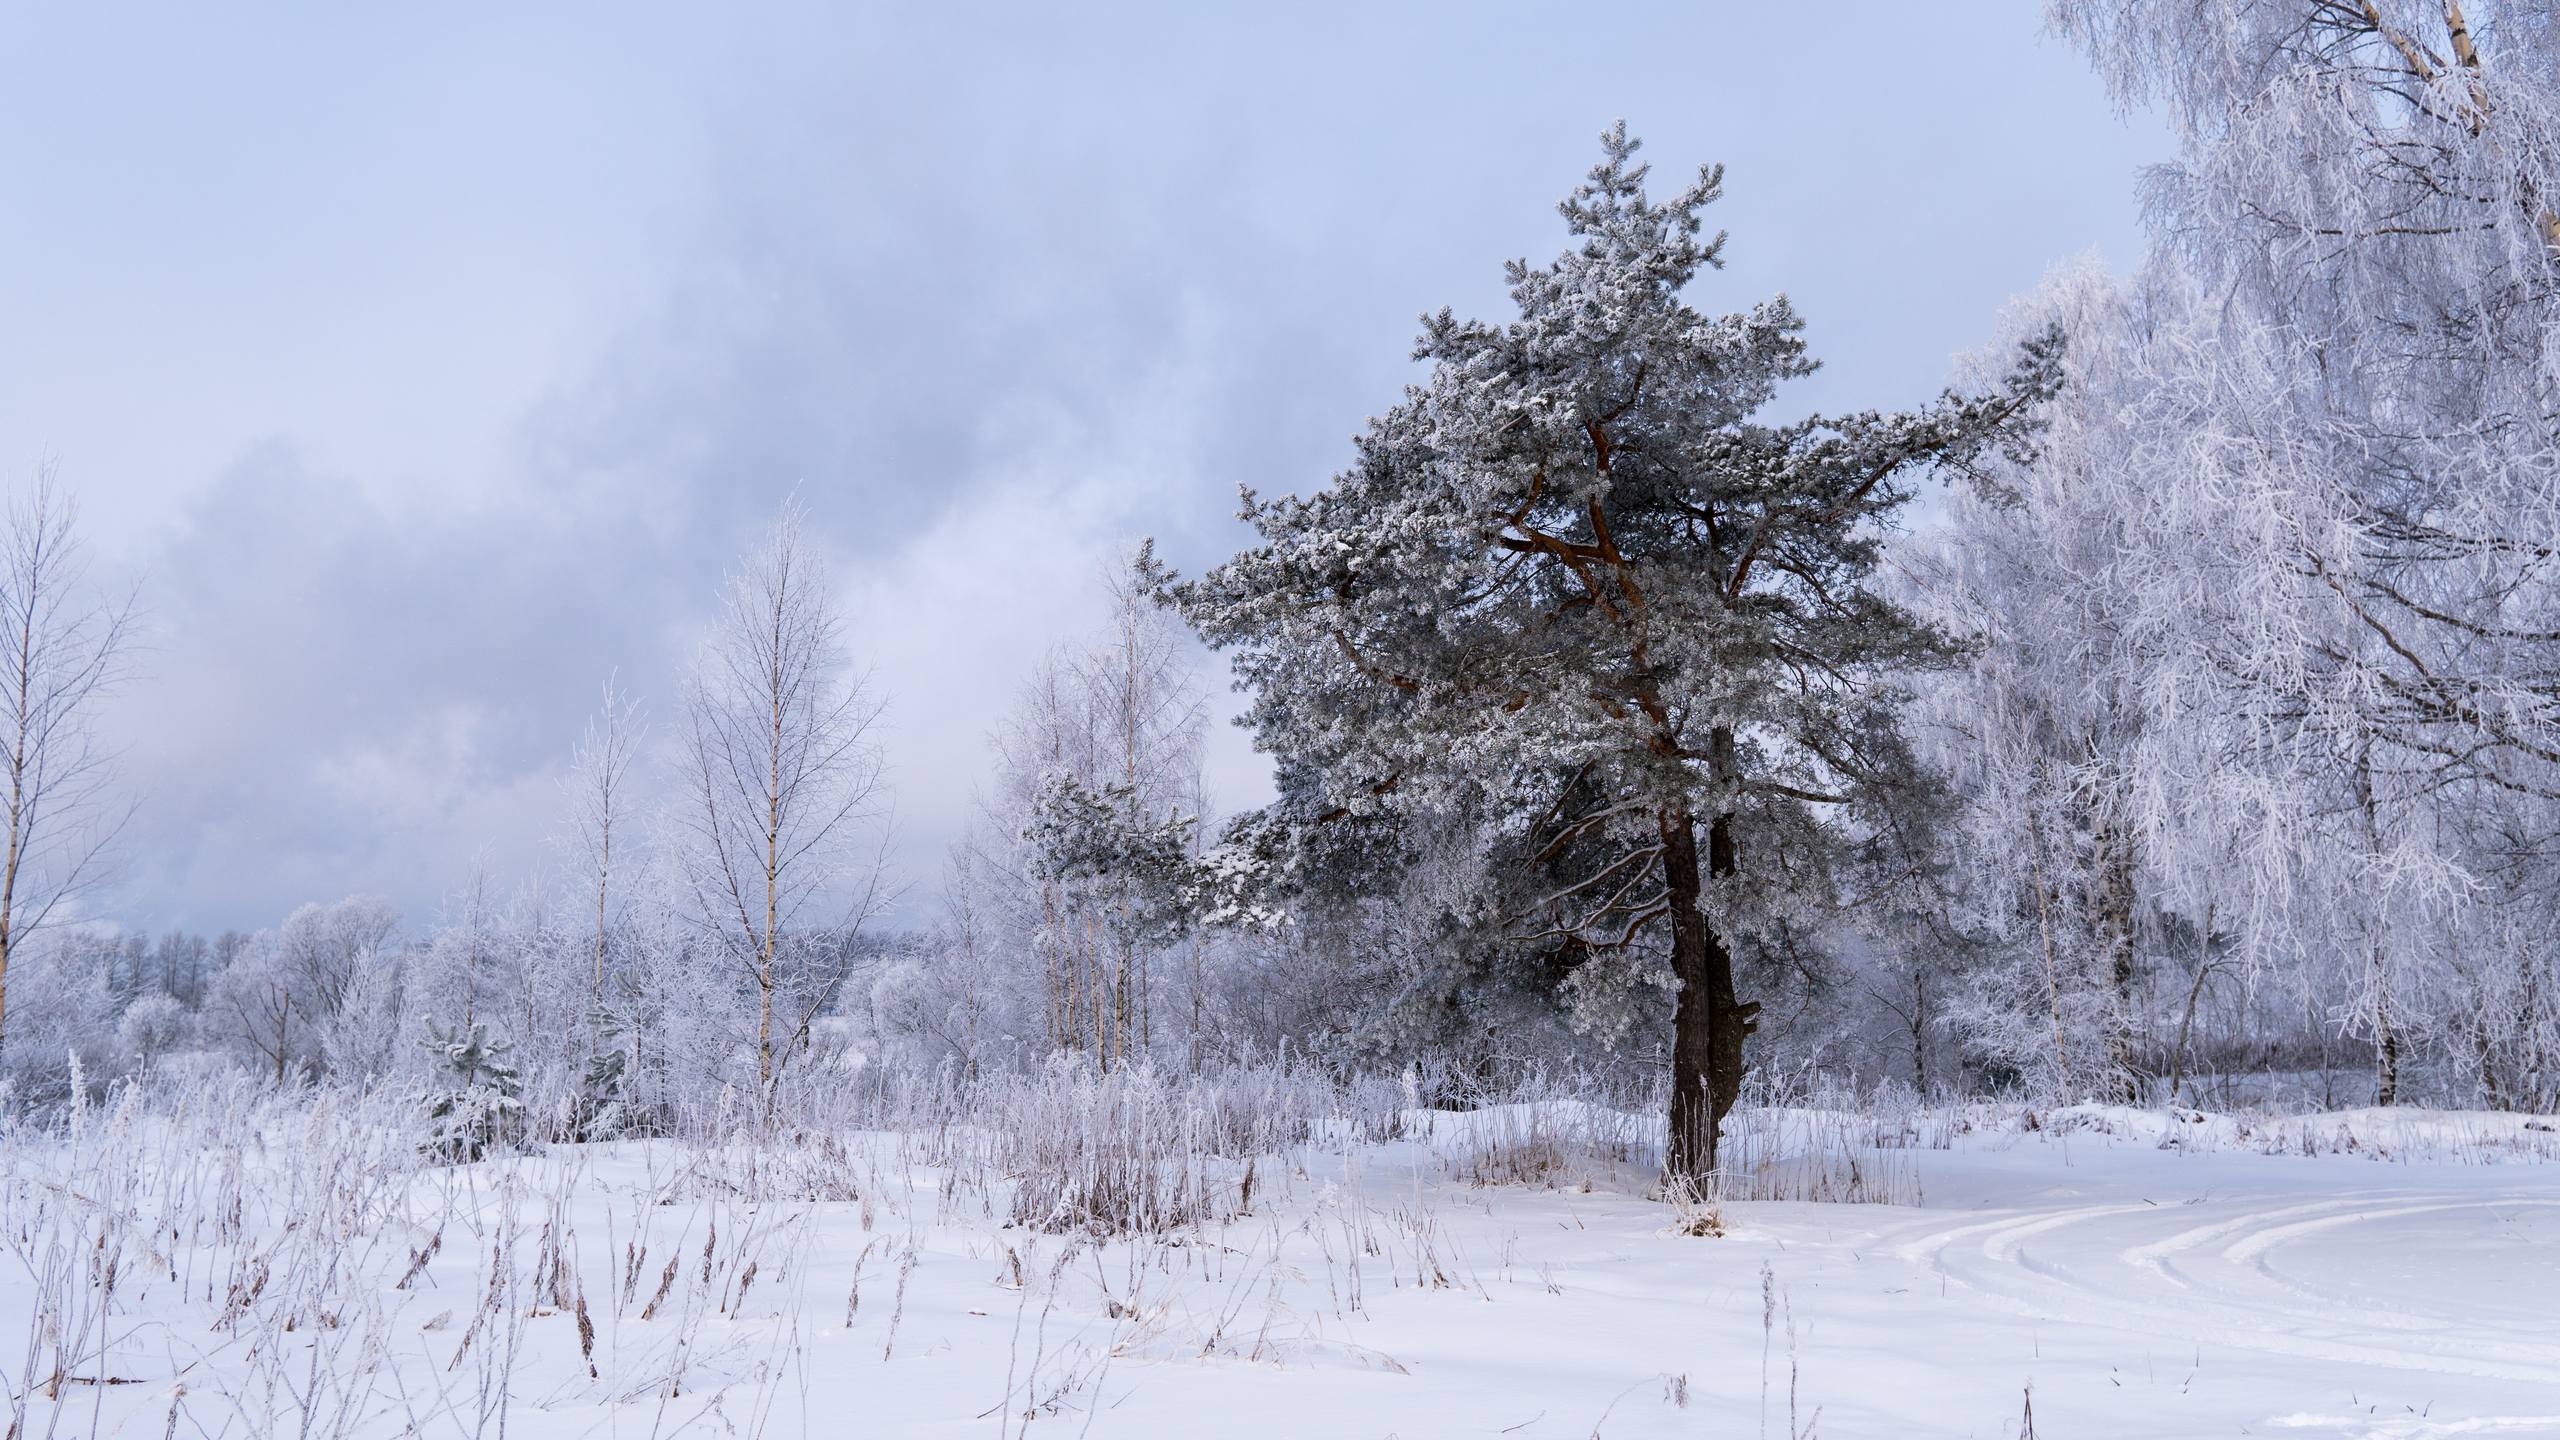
[(1575, 552), (1097, 840), (477, 1098)]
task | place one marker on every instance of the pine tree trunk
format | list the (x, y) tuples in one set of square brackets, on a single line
[(1708, 1025)]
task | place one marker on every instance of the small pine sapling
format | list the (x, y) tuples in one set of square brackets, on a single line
[(478, 1099)]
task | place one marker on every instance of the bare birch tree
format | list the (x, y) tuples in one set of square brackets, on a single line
[(784, 769), (67, 647)]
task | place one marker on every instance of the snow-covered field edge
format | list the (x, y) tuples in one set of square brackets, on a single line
[(1123, 1255)]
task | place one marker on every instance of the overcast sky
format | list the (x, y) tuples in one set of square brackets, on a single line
[(431, 363)]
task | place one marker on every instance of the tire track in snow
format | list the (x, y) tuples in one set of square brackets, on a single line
[(2213, 1284)]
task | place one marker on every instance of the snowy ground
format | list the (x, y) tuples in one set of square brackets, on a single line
[(1361, 1289)]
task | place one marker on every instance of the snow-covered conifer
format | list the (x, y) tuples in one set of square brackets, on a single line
[(1576, 569)]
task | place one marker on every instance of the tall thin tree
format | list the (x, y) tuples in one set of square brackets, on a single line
[(784, 769), (64, 647), (599, 799)]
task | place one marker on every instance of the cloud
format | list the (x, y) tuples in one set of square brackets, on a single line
[(486, 406), (347, 696)]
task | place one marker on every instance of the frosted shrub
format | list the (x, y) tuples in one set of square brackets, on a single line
[(1549, 1131), (1794, 1137), (1516, 1146), (1128, 1152)]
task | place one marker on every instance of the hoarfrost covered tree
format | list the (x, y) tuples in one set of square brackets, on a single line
[(1411, 909), (1573, 569), (327, 947), (601, 842), (257, 994), (1150, 718), (288, 991), (369, 1037), (678, 1024), (537, 996), (2374, 184), (65, 1015), (1103, 744), (2105, 811), (955, 997), (153, 1026), (781, 771), (600, 803), (179, 965), (1107, 854), (1047, 733), (2365, 446), (63, 649), (473, 939), (475, 1099)]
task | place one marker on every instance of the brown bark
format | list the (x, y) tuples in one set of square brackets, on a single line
[(1709, 1026)]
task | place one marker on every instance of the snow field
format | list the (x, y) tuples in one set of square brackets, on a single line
[(1302, 1263)]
